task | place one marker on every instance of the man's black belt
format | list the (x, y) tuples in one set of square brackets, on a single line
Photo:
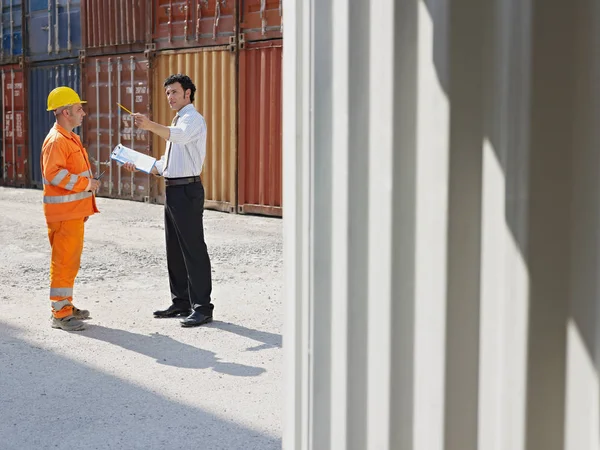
[(180, 181)]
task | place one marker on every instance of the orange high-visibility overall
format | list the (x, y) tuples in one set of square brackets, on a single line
[(66, 172)]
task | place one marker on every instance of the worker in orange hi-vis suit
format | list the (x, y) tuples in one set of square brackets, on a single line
[(69, 200)]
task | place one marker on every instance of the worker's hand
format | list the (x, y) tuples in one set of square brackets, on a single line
[(141, 121), (130, 167), (93, 185)]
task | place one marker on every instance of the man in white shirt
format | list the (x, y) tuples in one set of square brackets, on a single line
[(187, 256)]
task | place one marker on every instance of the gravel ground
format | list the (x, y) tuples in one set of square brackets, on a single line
[(130, 381)]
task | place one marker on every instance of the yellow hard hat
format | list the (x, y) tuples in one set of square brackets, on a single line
[(62, 96)]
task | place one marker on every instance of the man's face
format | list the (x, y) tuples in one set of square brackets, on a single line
[(176, 96), (75, 115)]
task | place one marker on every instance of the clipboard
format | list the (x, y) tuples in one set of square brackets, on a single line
[(142, 162)]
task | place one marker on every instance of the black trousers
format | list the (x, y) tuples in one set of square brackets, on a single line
[(187, 256)]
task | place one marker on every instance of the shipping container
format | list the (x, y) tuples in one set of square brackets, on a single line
[(260, 130), (260, 20), (193, 23), (53, 29), (11, 30), (14, 157), (213, 71), (43, 77), (108, 81), (109, 27)]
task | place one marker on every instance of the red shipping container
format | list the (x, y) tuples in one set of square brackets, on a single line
[(115, 26), (193, 23), (260, 129), (260, 20), (15, 153), (108, 80)]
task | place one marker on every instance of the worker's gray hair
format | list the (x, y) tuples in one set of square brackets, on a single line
[(58, 111)]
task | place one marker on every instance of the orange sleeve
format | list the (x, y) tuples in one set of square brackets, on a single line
[(54, 167)]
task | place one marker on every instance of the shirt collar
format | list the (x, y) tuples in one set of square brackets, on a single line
[(62, 130), (186, 109)]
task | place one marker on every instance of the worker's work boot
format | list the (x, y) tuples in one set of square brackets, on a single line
[(81, 314), (69, 323)]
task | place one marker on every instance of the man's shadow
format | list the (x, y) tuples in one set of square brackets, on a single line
[(269, 340), (168, 351)]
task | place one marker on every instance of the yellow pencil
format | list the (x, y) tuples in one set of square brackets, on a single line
[(121, 106)]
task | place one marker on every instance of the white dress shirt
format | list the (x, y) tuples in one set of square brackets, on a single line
[(187, 145)]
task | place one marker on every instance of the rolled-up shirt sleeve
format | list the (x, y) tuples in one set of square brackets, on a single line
[(188, 128)]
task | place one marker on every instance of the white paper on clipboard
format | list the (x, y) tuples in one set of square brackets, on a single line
[(142, 162)]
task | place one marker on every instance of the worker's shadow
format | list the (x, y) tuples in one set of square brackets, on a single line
[(168, 351)]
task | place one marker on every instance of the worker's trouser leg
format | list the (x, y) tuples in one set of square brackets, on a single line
[(66, 240)]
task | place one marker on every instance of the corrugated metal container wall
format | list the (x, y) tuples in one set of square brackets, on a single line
[(261, 20), (14, 157), (260, 133), (109, 80), (11, 30), (108, 29), (213, 73), (43, 77), (53, 29), (193, 23)]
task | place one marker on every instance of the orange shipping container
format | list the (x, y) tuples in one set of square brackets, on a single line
[(193, 23), (14, 162), (108, 80), (213, 72), (260, 135), (260, 20)]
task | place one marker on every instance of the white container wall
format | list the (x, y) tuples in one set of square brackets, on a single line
[(442, 227)]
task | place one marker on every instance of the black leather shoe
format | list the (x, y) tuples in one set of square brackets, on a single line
[(173, 311), (196, 319)]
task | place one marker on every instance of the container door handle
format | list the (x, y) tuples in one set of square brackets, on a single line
[(187, 8), (281, 15), (170, 7), (217, 17), (48, 26), (263, 17), (198, 19), (12, 36), (56, 44), (69, 25), (1, 31)]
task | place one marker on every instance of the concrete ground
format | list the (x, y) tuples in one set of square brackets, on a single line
[(131, 381)]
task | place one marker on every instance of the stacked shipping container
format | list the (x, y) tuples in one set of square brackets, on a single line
[(259, 176), (108, 80), (43, 77), (259, 85), (109, 30), (53, 29), (194, 23), (11, 27), (14, 157), (213, 71), (120, 52)]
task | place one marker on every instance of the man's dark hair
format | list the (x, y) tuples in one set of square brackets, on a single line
[(185, 81)]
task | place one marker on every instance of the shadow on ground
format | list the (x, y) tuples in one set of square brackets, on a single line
[(168, 351), (48, 401), (268, 340)]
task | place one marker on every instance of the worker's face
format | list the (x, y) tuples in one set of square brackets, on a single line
[(75, 115), (176, 96)]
